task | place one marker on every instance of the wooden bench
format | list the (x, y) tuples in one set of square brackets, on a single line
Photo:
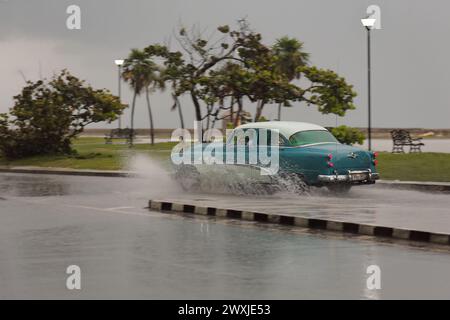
[(401, 138), (126, 133)]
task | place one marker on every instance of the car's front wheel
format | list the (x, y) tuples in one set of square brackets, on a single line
[(339, 188), (188, 177)]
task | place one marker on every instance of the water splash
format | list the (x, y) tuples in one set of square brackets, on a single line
[(155, 176), (221, 181)]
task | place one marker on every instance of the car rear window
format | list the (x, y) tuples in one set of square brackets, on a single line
[(309, 137)]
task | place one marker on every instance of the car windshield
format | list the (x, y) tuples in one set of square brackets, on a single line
[(309, 137)]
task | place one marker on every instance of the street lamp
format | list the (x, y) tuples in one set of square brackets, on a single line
[(368, 23), (119, 63)]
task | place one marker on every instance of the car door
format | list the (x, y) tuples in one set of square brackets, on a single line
[(245, 168)]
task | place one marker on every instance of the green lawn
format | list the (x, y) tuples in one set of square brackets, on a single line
[(415, 167), (93, 153)]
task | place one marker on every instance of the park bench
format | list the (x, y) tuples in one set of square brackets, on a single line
[(401, 138), (126, 133)]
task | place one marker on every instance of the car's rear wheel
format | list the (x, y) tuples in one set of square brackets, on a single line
[(339, 188), (188, 177), (291, 182)]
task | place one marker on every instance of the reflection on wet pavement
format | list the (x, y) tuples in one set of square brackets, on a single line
[(29, 186), (124, 251)]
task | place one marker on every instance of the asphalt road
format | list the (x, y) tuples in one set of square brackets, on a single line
[(376, 205), (124, 251)]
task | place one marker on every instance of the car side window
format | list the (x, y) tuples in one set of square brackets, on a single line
[(281, 141), (264, 142)]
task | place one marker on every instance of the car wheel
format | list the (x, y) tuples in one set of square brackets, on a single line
[(339, 188), (291, 182), (188, 177)]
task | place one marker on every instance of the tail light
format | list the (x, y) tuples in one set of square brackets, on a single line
[(329, 163), (374, 158)]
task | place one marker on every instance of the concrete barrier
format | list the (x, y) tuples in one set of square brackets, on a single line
[(305, 222)]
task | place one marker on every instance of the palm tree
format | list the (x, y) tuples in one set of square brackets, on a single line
[(142, 75), (290, 56), (177, 105)]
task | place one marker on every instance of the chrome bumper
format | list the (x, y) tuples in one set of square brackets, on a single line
[(361, 176)]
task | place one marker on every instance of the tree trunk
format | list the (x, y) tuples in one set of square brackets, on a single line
[(238, 114), (259, 108), (208, 118), (198, 111), (279, 112), (149, 107), (216, 115), (133, 105), (180, 112), (198, 115), (232, 110)]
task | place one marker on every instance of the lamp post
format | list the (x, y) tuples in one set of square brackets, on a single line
[(119, 63), (368, 23)]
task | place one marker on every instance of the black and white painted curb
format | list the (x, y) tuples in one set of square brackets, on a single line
[(304, 222)]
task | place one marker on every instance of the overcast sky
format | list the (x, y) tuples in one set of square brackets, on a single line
[(411, 54)]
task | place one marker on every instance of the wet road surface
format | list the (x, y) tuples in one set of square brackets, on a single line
[(124, 251), (377, 205)]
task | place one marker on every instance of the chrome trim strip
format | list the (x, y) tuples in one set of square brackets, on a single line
[(311, 144), (372, 176)]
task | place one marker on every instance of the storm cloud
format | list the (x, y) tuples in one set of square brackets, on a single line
[(410, 54)]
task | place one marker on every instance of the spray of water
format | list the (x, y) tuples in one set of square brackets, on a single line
[(233, 182), (154, 176), (159, 178)]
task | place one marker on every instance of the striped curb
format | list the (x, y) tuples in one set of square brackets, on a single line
[(304, 222)]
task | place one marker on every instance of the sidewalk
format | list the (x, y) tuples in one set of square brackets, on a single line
[(416, 185), (431, 145)]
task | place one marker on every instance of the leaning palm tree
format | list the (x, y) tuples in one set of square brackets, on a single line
[(290, 56), (173, 78), (142, 75)]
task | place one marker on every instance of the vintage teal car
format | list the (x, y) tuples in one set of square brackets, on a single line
[(307, 154)]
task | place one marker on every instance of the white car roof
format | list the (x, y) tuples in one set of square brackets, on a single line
[(286, 128)]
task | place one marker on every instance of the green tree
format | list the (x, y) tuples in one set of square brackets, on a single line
[(142, 74), (235, 82), (327, 90), (237, 67), (348, 135), (173, 71), (47, 115), (290, 55), (198, 58)]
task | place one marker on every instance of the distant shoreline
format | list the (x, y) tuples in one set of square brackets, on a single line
[(377, 133)]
